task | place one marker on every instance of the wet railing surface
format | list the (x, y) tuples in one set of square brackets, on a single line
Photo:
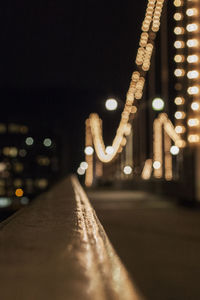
[(57, 249)]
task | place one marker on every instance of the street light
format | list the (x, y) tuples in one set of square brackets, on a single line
[(111, 104), (158, 104)]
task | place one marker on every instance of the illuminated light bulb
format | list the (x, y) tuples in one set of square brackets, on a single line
[(174, 150), (158, 104), (179, 44), (179, 100), (84, 165), (156, 165), (127, 170), (109, 150), (179, 115), (47, 142), (180, 143), (180, 129), (193, 74), (178, 30), (89, 150), (192, 27), (19, 192), (80, 171), (29, 141), (178, 16), (193, 90), (133, 109), (195, 106), (193, 138), (179, 58), (192, 58), (192, 43), (111, 104), (177, 3), (179, 72), (193, 122), (191, 12)]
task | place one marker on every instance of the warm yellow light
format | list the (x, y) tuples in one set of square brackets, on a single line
[(193, 74), (192, 27), (178, 16), (195, 106), (133, 109), (192, 43), (109, 150), (193, 90), (19, 192), (179, 44), (179, 100), (180, 129), (192, 58), (193, 138), (147, 170), (191, 12), (178, 30), (193, 122), (180, 143), (179, 72), (89, 150), (111, 104), (174, 150), (179, 115), (84, 165), (179, 58), (127, 170), (156, 165), (177, 3)]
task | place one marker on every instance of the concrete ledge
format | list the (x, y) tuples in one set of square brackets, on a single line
[(56, 249)]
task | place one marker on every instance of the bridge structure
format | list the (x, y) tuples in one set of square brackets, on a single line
[(159, 147), (56, 248)]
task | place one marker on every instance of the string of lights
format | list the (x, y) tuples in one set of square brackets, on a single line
[(150, 26)]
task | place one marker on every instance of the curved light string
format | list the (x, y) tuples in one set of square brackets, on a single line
[(94, 136)]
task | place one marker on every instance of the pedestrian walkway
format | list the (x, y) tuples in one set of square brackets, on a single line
[(158, 241)]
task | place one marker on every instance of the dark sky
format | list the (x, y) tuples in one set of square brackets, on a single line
[(60, 59)]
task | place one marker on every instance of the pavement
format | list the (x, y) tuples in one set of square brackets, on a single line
[(157, 240)]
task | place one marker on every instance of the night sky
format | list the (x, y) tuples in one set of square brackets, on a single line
[(61, 59)]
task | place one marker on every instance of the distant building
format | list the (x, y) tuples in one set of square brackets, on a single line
[(30, 161)]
